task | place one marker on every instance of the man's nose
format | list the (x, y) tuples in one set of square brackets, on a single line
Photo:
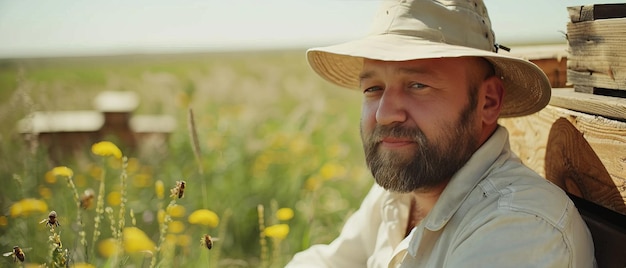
[(391, 107)]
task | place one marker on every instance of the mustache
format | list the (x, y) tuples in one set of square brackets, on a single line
[(415, 134)]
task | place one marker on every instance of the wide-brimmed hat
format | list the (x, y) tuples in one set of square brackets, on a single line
[(425, 29)]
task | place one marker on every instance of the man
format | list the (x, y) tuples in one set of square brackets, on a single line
[(449, 193)]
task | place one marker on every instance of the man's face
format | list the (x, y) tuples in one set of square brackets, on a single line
[(419, 124)]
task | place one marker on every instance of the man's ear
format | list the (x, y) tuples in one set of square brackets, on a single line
[(493, 94)]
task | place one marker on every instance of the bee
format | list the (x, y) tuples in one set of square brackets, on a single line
[(51, 220), (86, 199), (17, 253), (207, 241), (179, 190)]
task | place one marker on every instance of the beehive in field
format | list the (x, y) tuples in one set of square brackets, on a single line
[(65, 132)]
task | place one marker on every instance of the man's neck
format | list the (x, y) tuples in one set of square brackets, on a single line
[(423, 201)]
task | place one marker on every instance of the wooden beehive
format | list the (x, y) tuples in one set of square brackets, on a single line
[(579, 140)]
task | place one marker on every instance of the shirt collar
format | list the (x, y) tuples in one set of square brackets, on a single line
[(466, 179)]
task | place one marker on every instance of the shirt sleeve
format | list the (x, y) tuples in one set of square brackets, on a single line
[(356, 242)]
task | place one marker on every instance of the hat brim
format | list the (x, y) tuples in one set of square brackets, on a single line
[(527, 89)]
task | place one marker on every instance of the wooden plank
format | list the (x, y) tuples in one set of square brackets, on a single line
[(596, 12), (529, 139), (596, 79), (611, 107)]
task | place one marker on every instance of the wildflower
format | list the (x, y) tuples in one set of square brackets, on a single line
[(114, 198), (331, 170), (26, 206), (176, 211), (204, 217), (159, 189), (161, 216), (106, 148), (183, 240), (135, 240), (176, 227), (62, 171), (83, 265), (284, 214), (107, 247), (50, 177), (277, 231), (44, 192)]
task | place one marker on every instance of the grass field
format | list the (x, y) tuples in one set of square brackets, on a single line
[(272, 135)]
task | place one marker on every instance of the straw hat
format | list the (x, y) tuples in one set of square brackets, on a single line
[(423, 29)]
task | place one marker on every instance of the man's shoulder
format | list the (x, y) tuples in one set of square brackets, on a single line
[(521, 190)]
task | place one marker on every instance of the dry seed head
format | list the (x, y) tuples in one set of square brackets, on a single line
[(179, 190)]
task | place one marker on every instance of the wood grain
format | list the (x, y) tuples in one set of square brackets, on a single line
[(606, 137)]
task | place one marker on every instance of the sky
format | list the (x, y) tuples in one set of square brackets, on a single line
[(40, 28)]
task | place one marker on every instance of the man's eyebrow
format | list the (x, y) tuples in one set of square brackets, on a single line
[(405, 70)]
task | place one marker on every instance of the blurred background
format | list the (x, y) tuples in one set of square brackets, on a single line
[(270, 133)]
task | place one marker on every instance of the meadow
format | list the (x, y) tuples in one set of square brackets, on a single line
[(279, 163)]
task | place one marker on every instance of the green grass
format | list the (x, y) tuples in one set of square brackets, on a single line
[(270, 132)]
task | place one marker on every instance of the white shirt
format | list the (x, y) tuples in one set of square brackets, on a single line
[(495, 212)]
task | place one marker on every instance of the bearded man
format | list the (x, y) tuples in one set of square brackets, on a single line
[(449, 191)]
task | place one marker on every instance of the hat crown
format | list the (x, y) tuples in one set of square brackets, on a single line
[(461, 22)]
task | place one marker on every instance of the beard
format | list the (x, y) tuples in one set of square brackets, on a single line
[(430, 163)]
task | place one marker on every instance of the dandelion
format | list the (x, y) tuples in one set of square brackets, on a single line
[(176, 227), (62, 171), (135, 240), (159, 189), (204, 217), (50, 177), (27, 206), (114, 198), (277, 231), (176, 211), (106, 148), (107, 247), (83, 265), (284, 214)]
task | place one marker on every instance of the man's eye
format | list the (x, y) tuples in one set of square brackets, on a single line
[(372, 89), (418, 86)]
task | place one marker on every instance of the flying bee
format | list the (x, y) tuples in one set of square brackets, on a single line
[(179, 190), (207, 241), (17, 253), (51, 220), (86, 199)]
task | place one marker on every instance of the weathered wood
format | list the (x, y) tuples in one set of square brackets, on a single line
[(597, 54), (610, 107), (529, 139), (572, 164), (596, 12)]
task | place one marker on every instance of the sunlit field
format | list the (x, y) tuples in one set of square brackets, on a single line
[(279, 163)]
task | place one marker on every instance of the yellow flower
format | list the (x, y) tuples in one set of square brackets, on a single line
[(176, 227), (277, 231), (331, 170), (50, 178), (62, 171), (26, 206), (176, 211), (114, 198), (106, 148), (161, 216), (183, 240), (107, 247), (83, 265), (159, 188), (135, 240), (284, 214), (44, 192), (142, 180), (204, 217)]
